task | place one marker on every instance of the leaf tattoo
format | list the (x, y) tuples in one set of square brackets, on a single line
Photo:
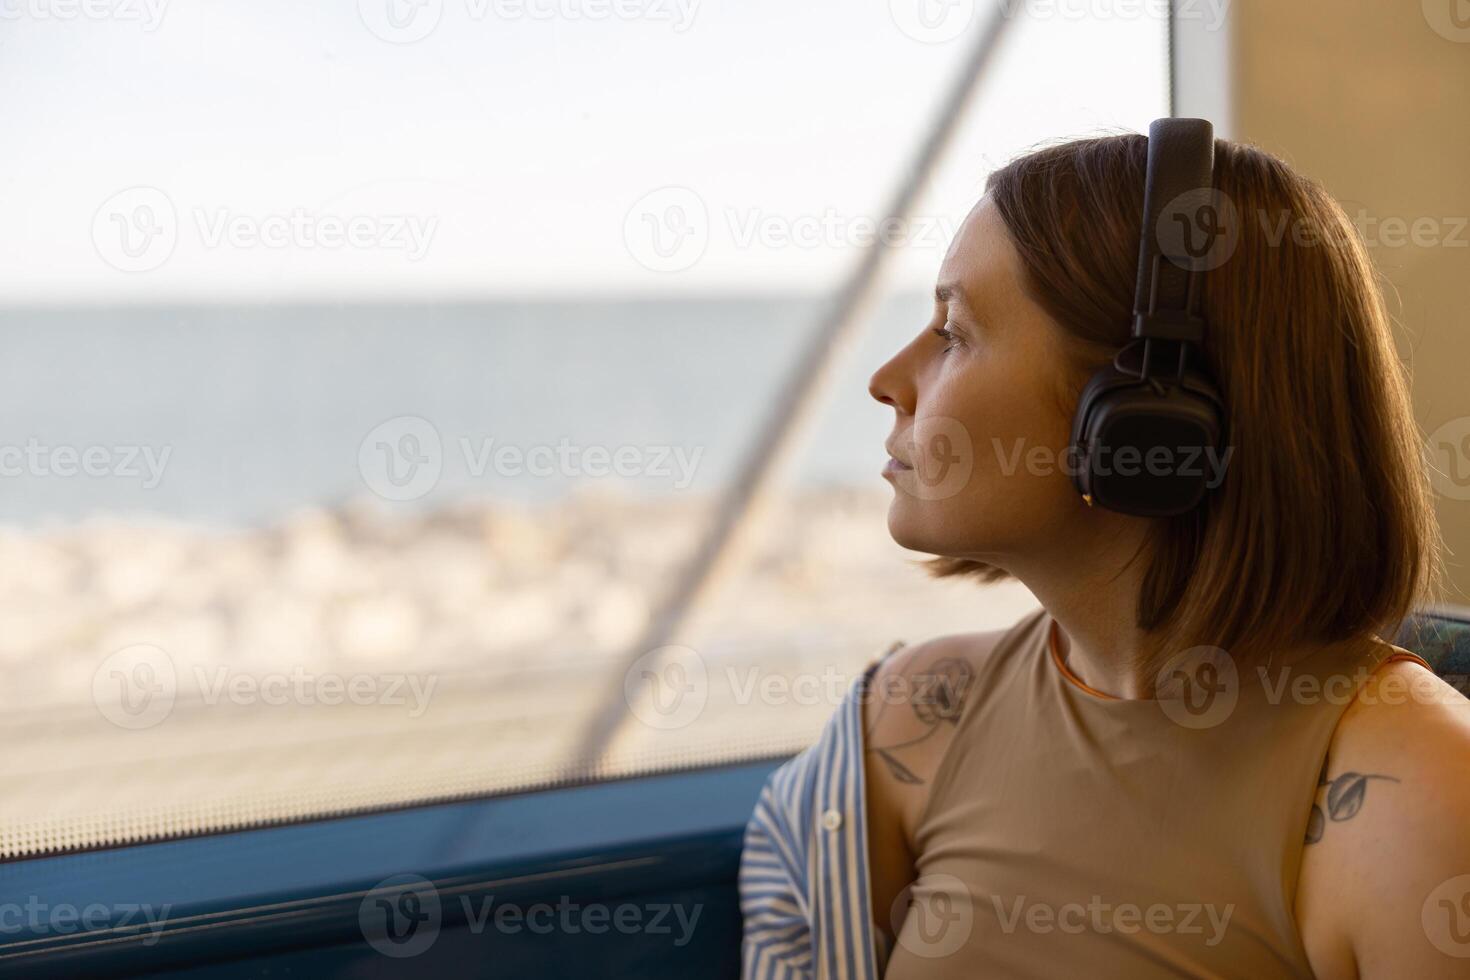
[(900, 772), (1316, 823), (1345, 796)]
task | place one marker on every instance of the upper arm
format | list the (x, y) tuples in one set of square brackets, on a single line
[(909, 719), (1391, 870)]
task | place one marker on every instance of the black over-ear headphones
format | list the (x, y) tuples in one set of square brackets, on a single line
[(1146, 443)]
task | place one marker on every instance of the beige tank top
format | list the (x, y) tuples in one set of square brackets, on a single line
[(1070, 834)]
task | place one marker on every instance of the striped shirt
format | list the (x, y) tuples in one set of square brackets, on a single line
[(804, 870)]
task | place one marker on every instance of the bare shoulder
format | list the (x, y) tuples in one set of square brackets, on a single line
[(915, 700), (1386, 842), (914, 703)]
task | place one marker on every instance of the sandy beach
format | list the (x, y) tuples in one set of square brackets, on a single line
[(351, 658)]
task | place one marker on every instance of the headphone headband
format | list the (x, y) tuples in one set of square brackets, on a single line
[(1181, 168)]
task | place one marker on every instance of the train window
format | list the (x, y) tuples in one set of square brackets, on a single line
[(396, 401)]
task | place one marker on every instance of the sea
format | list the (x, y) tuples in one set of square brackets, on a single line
[(238, 415)]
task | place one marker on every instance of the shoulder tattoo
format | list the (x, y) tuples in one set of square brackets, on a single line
[(936, 697), (1339, 799)]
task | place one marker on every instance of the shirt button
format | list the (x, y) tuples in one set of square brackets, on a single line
[(832, 819)]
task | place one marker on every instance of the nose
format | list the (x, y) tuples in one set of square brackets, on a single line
[(892, 385)]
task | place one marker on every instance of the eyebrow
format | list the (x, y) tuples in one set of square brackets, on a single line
[(946, 291)]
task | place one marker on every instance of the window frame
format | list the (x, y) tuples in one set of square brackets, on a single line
[(279, 894)]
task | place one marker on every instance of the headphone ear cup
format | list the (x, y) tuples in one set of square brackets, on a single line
[(1140, 450), (1095, 394), (1200, 384)]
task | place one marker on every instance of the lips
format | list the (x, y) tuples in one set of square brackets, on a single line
[(895, 463)]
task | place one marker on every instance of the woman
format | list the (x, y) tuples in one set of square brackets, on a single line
[(1198, 757)]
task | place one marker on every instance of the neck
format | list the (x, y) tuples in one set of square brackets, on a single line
[(1090, 587)]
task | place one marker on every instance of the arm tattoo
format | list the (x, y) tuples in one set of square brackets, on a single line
[(1342, 800), (936, 697)]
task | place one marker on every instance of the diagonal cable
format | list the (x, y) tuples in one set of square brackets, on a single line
[(795, 405)]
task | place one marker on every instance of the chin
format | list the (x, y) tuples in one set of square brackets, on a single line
[(931, 529), (916, 532)]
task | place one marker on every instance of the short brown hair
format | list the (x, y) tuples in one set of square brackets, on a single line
[(1323, 528)]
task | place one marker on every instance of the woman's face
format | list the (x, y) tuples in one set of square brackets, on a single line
[(980, 421)]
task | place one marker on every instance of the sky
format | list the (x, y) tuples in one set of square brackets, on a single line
[(164, 151)]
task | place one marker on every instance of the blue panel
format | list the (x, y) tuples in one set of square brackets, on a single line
[(661, 852)]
